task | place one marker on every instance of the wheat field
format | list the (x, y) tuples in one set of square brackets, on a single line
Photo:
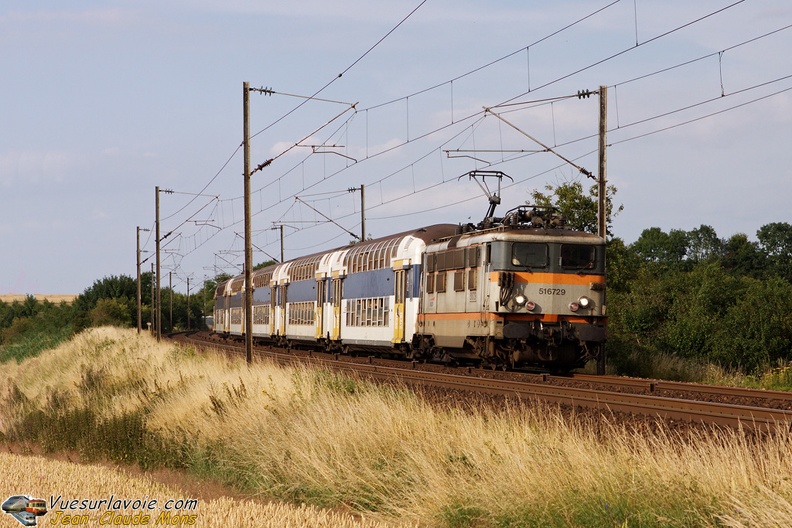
[(53, 298), (304, 436), (45, 479)]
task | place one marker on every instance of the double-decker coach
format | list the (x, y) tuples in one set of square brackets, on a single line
[(363, 297)]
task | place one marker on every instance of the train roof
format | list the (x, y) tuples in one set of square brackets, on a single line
[(516, 233), (428, 234)]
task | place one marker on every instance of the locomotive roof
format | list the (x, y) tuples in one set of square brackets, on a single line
[(538, 234)]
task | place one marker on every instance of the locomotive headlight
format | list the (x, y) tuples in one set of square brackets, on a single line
[(584, 302), (520, 300)]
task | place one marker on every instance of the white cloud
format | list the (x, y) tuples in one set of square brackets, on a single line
[(21, 167)]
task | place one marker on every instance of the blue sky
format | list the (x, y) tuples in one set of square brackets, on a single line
[(103, 101)]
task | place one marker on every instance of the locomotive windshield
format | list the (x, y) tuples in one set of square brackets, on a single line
[(578, 257), (547, 256), (529, 255)]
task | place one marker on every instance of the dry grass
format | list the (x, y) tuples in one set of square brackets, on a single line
[(43, 478), (53, 298), (315, 437)]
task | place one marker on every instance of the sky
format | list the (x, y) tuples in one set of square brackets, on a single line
[(101, 103)]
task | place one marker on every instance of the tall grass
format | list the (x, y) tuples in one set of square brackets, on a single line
[(316, 437), (43, 478), (674, 368)]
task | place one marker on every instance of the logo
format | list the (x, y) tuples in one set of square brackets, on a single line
[(24, 509)]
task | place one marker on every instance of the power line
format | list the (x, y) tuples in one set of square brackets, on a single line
[(496, 61), (704, 116), (622, 52), (436, 207), (566, 76), (707, 56), (547, 84), (354, 63), (459, 77), (200, 193)]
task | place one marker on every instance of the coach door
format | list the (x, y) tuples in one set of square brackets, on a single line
[(321, 293), (222, 314), (336, 300), (399, 294), (282, 308), (273, 306)]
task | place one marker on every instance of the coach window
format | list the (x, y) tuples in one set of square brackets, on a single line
[(530, 255)]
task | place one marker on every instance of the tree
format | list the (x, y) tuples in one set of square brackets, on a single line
[(18, 310), (743, 257), (114, 312), (756, 330), (622, 265), (655, 245), (578, 209), (122, 288), (264, 264), (775, 240), (704, 244)]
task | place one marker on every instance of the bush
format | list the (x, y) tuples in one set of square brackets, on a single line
[(112, 312), (756, 331)]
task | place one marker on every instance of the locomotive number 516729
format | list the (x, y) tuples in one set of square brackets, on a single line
[(552, 291)]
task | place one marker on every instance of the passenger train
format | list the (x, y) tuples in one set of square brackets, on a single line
[(520, 291)]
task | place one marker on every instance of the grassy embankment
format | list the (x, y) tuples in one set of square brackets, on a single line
[(43, 478), (315, 437), (673, 368)]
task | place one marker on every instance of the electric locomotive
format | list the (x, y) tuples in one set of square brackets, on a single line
[(516, 291), (523, 292)]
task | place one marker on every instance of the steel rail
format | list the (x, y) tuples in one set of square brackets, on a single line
[(728, 415), (657, 385)]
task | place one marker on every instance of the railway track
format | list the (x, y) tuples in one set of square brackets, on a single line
[(712, 393), (756, 410)]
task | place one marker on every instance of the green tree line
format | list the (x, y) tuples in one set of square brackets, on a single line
[(690, 294), (30, 325)]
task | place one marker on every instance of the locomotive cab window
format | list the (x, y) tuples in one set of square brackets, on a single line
[(529, 255), (578, 257)]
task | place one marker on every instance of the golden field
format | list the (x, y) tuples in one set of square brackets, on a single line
[(305, 436), (53, 298), (45, 479)]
